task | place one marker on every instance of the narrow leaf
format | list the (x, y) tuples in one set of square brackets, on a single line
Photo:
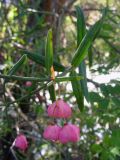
[(86, 42), (70, 78), (90, 56), (49, 63), (16, 67), (52, 93), (41, 60), (81, 29), (49, 52), (77, 91), (82, 70)]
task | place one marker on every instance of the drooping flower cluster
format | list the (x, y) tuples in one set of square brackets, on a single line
[(65, 134)]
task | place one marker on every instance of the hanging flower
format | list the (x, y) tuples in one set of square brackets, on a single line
[(59, 109), (52, 132), (69, 133), (21, 142)]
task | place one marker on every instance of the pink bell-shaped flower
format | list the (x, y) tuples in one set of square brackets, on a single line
[(69, 133), (52, 132), (21, 142), (59, 109)]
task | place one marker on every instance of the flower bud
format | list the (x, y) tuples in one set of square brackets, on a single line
[(69, 133), (21, 142), (59, 109), (28, 84), (52, 132)]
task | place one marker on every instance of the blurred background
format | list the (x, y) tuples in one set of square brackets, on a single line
[(23, 28)]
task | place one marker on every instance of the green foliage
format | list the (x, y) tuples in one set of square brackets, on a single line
[(41, 60), (23, 30), (83, 47), (52, 93), (16, 67), (81, 29)]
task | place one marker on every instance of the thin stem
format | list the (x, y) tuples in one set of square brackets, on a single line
[(95, 83), (28, 95), (46, 85)]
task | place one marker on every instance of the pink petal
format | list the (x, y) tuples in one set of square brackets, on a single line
[(21, 142), (69, 133), (76, 133), (52, 132), (59, 109)]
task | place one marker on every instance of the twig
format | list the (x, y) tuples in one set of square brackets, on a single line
[(30, 94), (13, 153), (112, 46), (26, 119), (95, 83)]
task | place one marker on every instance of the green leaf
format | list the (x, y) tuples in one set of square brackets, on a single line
[(21, 78), (90, 56), (16, 67), (86, 42), (49, 62), (70, 78), (96, 148), (115, 151), (77, 91), (105, 155), (81, 29), (41, 60), (52, 93), (38, 110), (82, 71), (49, 51), (115, 138), (95, 97)]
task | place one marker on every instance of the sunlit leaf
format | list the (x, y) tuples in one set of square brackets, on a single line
[(81, 29), (86, 42), (49, 52)]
